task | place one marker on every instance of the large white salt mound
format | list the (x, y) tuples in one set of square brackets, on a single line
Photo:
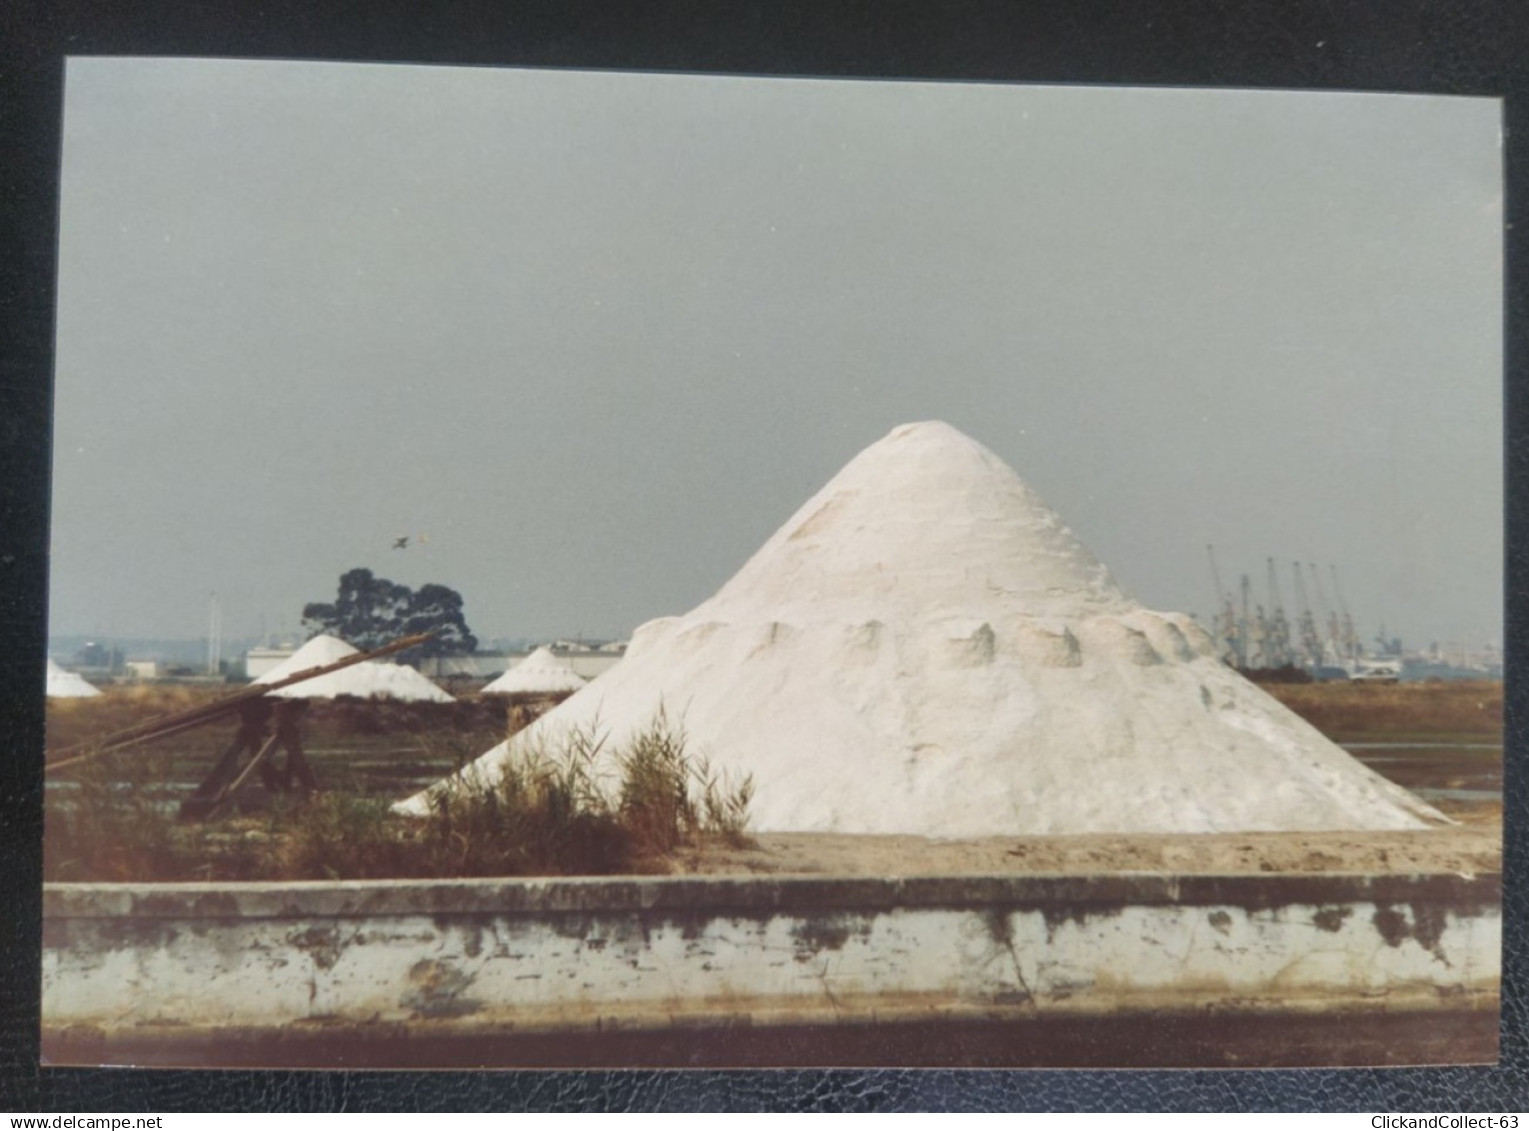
[(68, 685), (366, 680), (925, 649), (540, 673)]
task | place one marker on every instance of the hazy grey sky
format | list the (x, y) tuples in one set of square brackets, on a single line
[(597, 335)]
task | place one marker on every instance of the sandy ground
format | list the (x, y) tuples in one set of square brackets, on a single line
[(1463, 849)]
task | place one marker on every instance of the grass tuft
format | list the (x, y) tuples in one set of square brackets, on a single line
[(561, 804)]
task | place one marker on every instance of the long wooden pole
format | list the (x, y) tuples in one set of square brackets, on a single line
[(208, 712)]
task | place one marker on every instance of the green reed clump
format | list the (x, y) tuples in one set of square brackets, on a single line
[(564, 805), (544, 810), (670, 797)]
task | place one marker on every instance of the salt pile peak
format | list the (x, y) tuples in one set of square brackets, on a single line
[(925, 521), (541, 672), (319, 652), (366, 680), (924, 649)]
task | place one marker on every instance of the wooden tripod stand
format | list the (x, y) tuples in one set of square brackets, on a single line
[(256, 736)]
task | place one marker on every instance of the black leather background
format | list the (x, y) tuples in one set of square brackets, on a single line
[(1459, 46)]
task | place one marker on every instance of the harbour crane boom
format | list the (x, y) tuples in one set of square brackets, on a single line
[(1225, 630), (1311, 642), (1328, 618), (1351, 649), (1279, 628)]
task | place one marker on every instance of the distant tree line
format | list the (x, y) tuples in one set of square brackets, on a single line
[(372, 611)]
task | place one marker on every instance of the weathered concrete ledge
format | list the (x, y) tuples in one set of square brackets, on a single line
[(271, 965), (360, 898)]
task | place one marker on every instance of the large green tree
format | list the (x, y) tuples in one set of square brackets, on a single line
[(372, 611)]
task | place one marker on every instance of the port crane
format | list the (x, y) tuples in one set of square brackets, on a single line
[(1312, 633), (1311, 640), (1278, 633), (1224, 629), (1342, 644), (1349, 647), (1253, 629)]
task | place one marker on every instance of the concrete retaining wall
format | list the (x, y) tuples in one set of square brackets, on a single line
[(555, 955)]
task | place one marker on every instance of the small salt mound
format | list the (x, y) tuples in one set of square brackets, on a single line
[(319, 652), (67, 685), (366, 680), (540, 673), (925, 649)]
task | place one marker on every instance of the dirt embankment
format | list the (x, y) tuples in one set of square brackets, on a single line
[(1463, 849)]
